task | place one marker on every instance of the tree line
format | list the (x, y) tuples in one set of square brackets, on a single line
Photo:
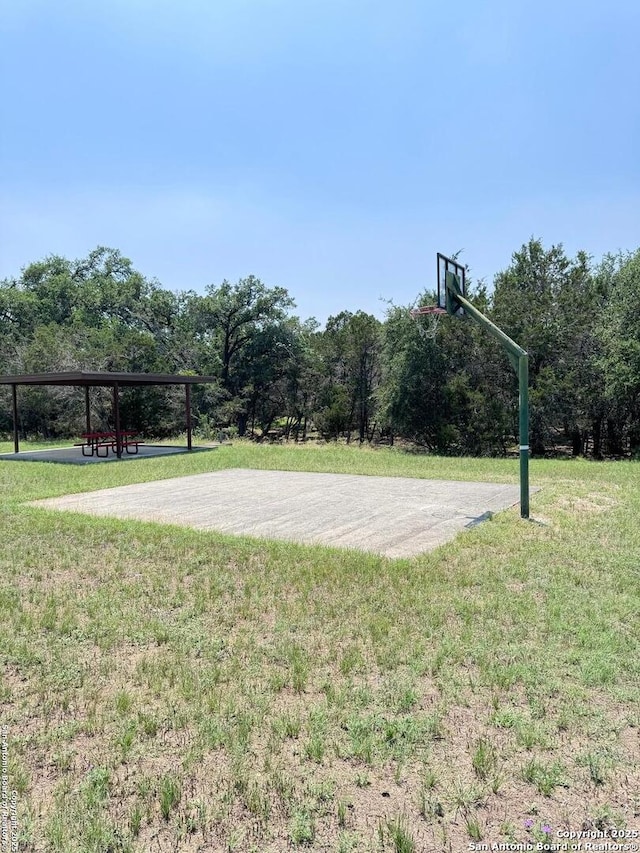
[(358, 378)]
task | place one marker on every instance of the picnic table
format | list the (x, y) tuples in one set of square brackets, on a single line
[(94, 442)]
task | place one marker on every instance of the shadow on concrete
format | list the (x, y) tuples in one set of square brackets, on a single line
[(73, 455)]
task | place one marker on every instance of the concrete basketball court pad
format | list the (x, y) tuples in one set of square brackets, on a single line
[(391, 516)]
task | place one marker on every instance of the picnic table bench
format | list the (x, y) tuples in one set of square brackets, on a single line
[(94, 442)]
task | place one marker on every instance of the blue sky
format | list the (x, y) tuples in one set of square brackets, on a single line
[(328, 147)]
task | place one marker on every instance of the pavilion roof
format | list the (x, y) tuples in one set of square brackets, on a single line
[(105, 378)]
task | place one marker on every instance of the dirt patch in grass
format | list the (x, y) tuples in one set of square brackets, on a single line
[(593, 502)]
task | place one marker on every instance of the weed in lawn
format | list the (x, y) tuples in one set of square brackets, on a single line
[(314, 749), (145, 787), (351, 660), (359, 697), (505, 718), (126, 739), (400, 697), (123, 703), (537, 705), (473, 828), (342, 813), (56, 833), (508, 829), (334, 697), (430, 807), (323, 790), (606, 817), (169, 793), (400, 756), (317, 726), (135, 820), (287, 725), (362, 737), (282, 784), (240, 725), (545, 778), (277, 681), (463, 797), (195, 816), (301, 827), (595, 764), (483, 759), (434, 726), (212, 732), (257, 801), (235, 840), (400, 836), (530, 734), (96, 787), (79, 822), (347, 842), (503, 676), (148, 723), (429, 779), (159, 632), (496, 783), (63, 760), (239, 771), (564, 720), (19, 776), (299, 667)]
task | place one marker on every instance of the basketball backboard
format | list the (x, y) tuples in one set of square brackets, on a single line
[(448, 265)]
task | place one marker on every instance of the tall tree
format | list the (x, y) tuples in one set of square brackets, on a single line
[(618, 331), (351, 349), (412, 400), (545, 302), (231, 318)]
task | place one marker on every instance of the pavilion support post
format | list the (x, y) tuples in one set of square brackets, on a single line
[(116, 417), (87, 408), (187, 396), (14, 398)]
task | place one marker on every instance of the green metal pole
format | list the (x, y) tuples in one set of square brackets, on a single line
[(523, 383)]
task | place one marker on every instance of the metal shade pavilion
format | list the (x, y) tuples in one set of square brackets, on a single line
[(94, 379)]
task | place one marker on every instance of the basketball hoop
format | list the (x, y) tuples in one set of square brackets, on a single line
[(428, 328)]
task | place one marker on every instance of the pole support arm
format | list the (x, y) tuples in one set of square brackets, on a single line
[(510, 345), (519, 359)]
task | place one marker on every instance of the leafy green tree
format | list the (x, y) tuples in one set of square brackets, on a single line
[(618, 364), (547, 303), (234, 313), (440, 387), (265, 369), (97, 313), (574, 387), (303, 378), (237, 325), (412, 399), (351, 349), (454, 393)]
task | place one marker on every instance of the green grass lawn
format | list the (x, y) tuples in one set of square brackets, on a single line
[(167, 689)]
